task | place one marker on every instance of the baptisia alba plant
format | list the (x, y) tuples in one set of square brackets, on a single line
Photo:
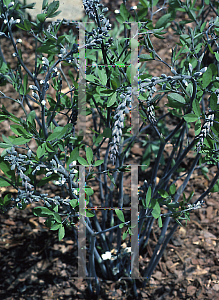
[(47, 146)]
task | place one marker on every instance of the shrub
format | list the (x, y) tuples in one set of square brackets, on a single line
[(126, 104)]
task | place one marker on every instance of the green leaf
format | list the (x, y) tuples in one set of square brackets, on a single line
[(50, 148), (27, 24), (190, 117), (196, 107), (91, 78), (41, 150), (198, 126), (124, 234), (55, 14), (145, 57), (217, 56), (20, 131), (82, 161), (163, 193), (61, 232), (18, 140), (112, 179), (73, 203), (7, 199), (177, 221), (119, 18), (107, 132), (213, 102), (210, 49), (131, 72), (192, 15), (25, 83), (45, 4), (103, 92), (207, 78), (215, 187), (41, 17), (48, 48), (111, 100), (31, 118), (148, 197), (5, 167), (145, 3), (30, 6), (124, 12), (89, 155), (52, 8), (40, 211), (6, 140), (4, 182), (156, 211), (89, 191), (57, 218), (5, 145), (89, 213), (10, 116), (102, 75), (58, 132), (172, 189), (98, 162), (173, 205), (163, 21), (160, 222), (73, 156), (120, 215), (56, 226), (176, 100)]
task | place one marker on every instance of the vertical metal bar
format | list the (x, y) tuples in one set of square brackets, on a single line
[(82, 82), (134, 223), (134, 78), (82, 227)]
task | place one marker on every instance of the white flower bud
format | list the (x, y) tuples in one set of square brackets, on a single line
[(33, 87), (106, 255), (45, 61), (203, 70), (43, 102), (10, 4), (35, 95)]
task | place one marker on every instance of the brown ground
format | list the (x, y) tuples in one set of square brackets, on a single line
[(35, 265)]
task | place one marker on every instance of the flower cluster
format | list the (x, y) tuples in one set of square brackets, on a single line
[(119, 122), (196, 205), (113, 255), (19, 162), (150, 84), (205, 129), (90, 7), (95, 38)]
